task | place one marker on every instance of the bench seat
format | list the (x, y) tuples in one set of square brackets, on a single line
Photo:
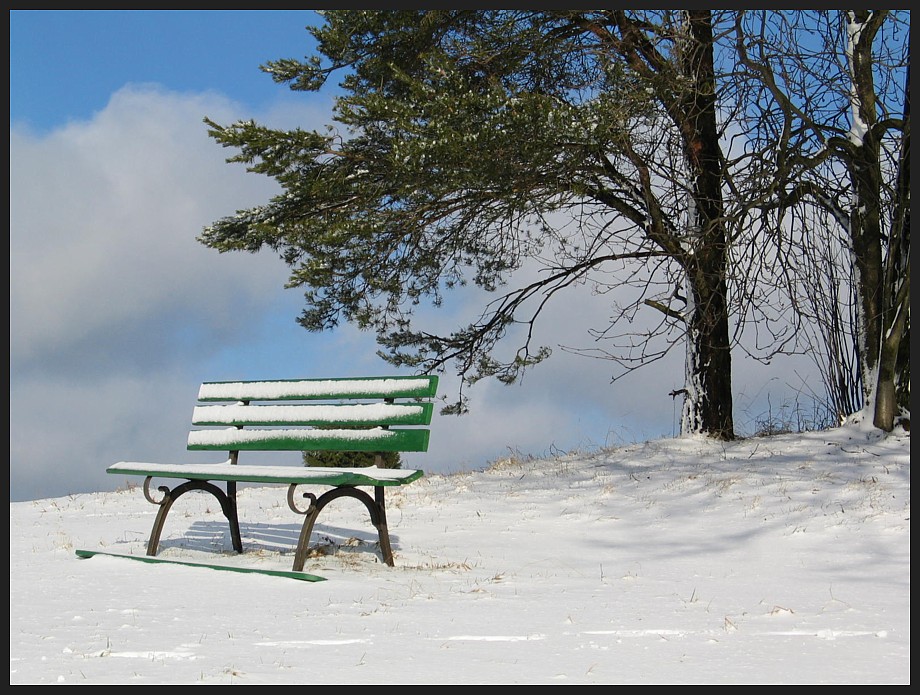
[(240, 473)]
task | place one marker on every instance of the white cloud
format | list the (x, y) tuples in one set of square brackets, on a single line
[(114, 305), (103, 221)]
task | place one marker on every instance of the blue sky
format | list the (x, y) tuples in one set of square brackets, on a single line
[(117, 314), (66, 64)]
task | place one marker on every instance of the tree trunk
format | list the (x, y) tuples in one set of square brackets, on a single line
[(882, 285), (893, 390), (708, 406)]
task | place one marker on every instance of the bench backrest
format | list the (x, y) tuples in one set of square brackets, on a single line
[(342, 414)]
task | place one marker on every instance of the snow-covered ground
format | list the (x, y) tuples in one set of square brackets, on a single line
[(768, 560)]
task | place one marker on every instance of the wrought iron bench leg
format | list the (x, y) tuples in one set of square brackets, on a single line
[(227, 506), (376, 506)]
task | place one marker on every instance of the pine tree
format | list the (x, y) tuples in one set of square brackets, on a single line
[(465, 136), (351, 459)]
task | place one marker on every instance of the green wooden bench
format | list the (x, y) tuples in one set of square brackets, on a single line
[(367, 414)]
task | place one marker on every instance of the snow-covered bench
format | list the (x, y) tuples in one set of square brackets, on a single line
[(340, 414)]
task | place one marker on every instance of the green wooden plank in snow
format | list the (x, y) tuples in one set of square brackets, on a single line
[(302, 576)]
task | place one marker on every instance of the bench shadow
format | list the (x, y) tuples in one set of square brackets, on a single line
[(326, 539)]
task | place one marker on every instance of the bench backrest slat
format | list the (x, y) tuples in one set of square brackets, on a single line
[(375, 414), (262, 415), (377, 439), (323, 389)]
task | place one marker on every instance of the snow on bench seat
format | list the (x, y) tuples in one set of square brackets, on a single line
[(370, 475)]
